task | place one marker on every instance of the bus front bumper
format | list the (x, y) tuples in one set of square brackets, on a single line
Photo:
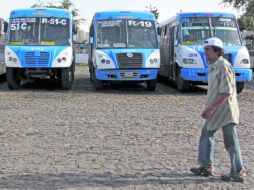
[(127, 75), (242, 75)]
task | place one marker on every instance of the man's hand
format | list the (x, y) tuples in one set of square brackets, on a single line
[(208, 113), (217, 103)]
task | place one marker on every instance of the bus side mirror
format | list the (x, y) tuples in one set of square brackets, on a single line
[(159, 30), (74, 29), (5, 27), (91, 40), (91, 31), (176, 42)]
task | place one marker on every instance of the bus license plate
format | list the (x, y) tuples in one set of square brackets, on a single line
[(129, 74)]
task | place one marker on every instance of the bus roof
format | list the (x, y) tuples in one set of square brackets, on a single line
[(139, 15), (41, 12), (197, 14)]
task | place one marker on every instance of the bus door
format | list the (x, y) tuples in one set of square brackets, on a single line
[(172, 50), (164, 48)]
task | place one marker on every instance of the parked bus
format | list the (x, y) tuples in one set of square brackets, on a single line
[(249, 43), (3, 29), (182, 53), (124, 47), (40, 45)]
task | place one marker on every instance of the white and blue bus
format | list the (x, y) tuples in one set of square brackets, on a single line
[(124, 47), (181, 46), (3, 29), (40, 45)]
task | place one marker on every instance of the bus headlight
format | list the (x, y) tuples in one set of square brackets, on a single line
[(189, 61), (245, 61), (11, 58), (64, 58), (153, 61), (103, 61)]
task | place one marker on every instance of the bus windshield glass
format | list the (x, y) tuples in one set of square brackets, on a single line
[(195, 30), (226, 30), (39, 32), (126, 34)]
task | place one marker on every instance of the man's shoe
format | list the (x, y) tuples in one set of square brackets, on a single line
[(238, 177), (203, 170)]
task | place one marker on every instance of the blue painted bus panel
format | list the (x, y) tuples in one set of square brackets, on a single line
[(202, 74), (116, 74), (37, 56)]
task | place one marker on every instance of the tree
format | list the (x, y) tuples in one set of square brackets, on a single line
[(62, 4), (155, 12), (246, 22), (247, 6), (237, 4)]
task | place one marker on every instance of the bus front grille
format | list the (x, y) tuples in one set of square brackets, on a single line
[(129, 60), (37, 58)]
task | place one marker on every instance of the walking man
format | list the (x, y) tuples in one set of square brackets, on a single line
[(221, 112)]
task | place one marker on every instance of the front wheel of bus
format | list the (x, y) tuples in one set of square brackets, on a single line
[(13, 80), (182, 85), (67, 78), (98, 85), (239, 87), (151, 85)]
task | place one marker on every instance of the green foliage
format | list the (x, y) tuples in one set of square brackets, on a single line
[(238, 4), (61, 4), (155, 12), (246, 22), (247, 6)]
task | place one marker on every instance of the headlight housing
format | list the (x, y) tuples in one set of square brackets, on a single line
[(153, 61), (64, 58), (11, 58), (103, 61), (245, 61), (189, 61)]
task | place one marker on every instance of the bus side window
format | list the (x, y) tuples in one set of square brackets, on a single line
[(165, 32), (5, 27), (176, 35), (159, 29)]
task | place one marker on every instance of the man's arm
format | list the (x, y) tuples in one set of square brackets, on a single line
[(215, 105)]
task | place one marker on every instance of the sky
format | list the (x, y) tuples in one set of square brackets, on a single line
[(166, 8)]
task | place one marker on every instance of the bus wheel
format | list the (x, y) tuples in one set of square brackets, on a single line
[(98, 84), (239, 87), (91, 72), (91, 76), (182, 85), (13, 81), (67, 78), (151, 85)]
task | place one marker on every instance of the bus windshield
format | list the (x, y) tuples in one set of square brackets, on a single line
[(39, 32), (126, 34), (195, 30), (226, 30)]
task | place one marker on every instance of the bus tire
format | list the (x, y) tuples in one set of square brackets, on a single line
[(182, 85), (91, 76), (151, 85), (13, 81), (98, 84), (67, 78), (239, 87), (90, 71)]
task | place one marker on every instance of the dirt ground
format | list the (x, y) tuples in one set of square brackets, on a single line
[(122, 137)]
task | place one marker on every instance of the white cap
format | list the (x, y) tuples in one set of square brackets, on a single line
[(214, 42)]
